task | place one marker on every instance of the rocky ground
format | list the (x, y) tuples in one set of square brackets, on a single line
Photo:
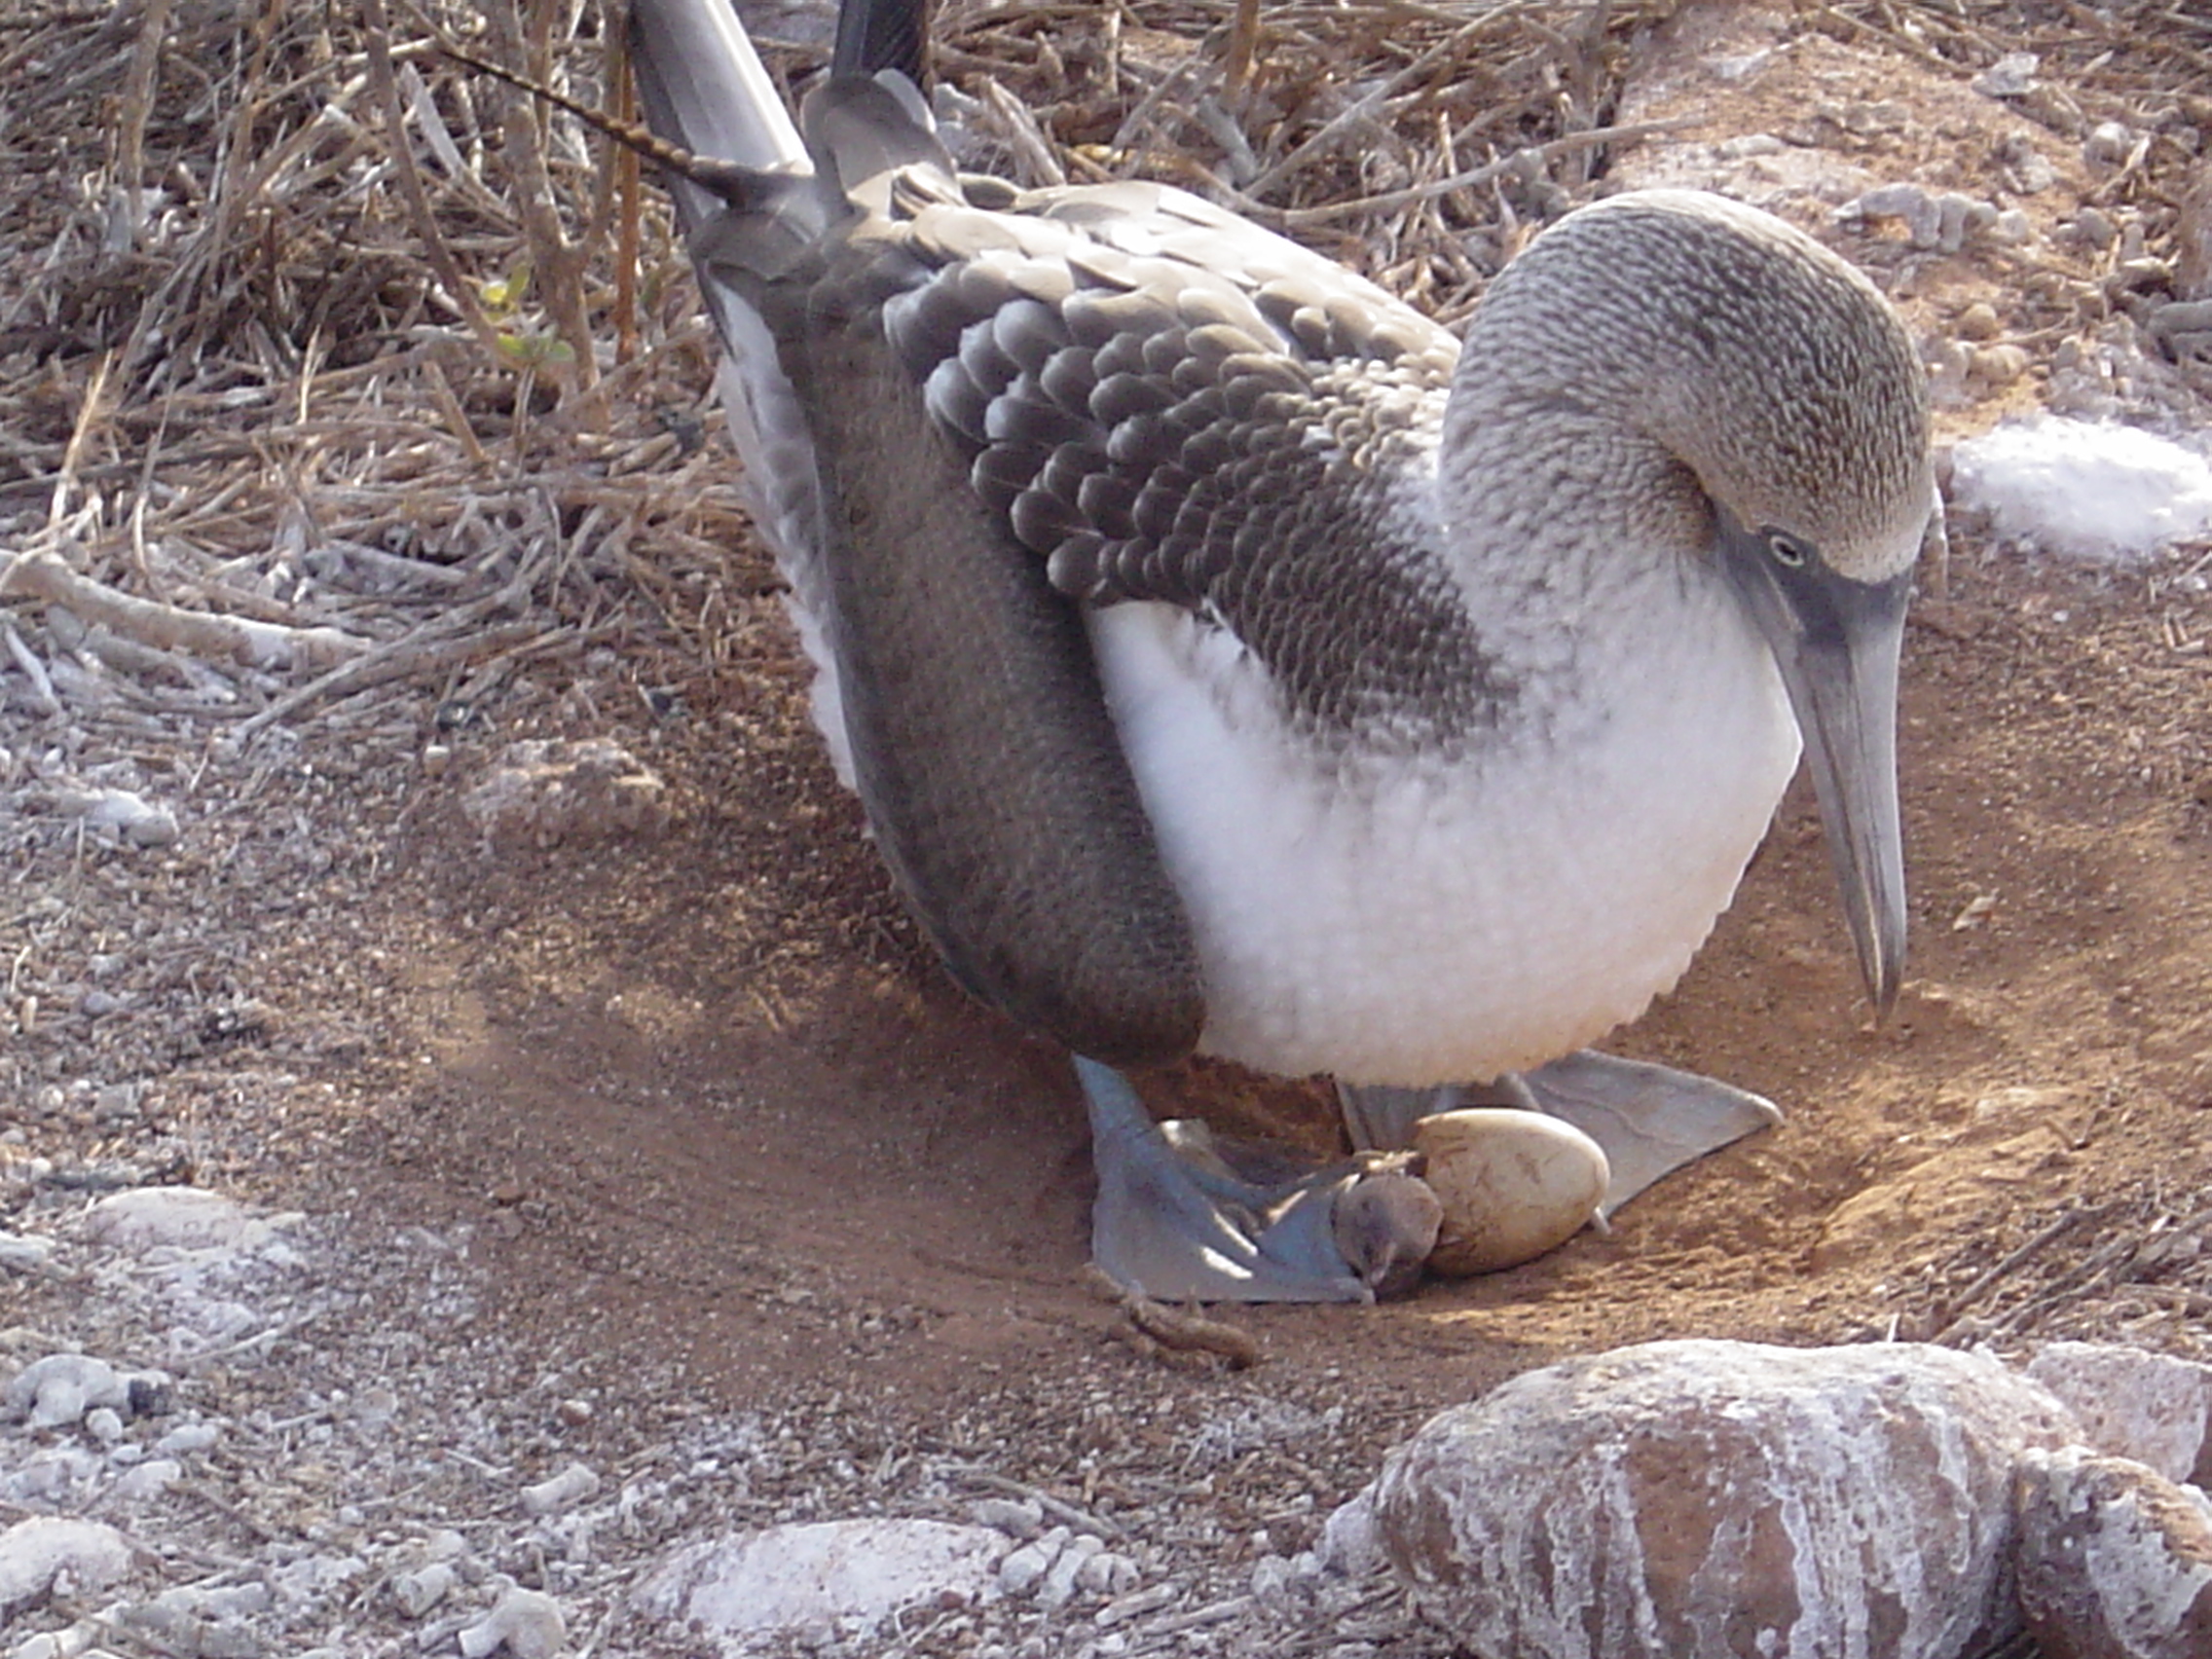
[(561, 1193)]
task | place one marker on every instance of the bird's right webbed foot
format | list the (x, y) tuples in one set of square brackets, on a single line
[(1176, 1224)]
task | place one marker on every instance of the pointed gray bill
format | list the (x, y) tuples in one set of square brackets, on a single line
[(1836, 642)]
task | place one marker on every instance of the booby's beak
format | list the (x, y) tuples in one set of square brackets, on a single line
[(1838, 641)]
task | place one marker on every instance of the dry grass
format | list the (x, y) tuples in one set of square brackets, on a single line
[(304, 326)]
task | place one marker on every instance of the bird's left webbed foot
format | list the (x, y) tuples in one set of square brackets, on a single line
[(1650, 1120), (1175, 1222)]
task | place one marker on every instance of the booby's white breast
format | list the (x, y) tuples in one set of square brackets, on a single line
[(1430, 918)]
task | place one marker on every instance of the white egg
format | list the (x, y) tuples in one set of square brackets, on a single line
[(1513, 1185)]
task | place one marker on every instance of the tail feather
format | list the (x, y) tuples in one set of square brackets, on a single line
[(704, 88), (883, 34), (860, 127)]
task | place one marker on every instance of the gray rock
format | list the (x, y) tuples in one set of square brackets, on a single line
[(1024, 1569)]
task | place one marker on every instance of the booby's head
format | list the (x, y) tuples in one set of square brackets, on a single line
[(1781, 417)]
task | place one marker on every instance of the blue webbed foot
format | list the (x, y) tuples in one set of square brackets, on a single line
[(1176, 1223)]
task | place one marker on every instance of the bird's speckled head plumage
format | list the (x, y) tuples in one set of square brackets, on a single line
[(1765, 364)]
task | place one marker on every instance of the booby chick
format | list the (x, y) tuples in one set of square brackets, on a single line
[(1231, 661)]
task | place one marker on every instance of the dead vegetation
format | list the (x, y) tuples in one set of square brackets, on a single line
[(303, 323)]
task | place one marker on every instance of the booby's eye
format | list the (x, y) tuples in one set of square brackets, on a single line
[(1788, 552)]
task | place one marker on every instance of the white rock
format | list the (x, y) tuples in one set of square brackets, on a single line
[(49, 1474), (1024, 1569), (52, 1555), (188, 1218), (2084, 488), (25, 1253), (130, 817), (1107, 1573), (2132, 1403), (148, 1479), (527, 1624), (1274, 1583), (2114, 1559), (103, 1424), (811, 1575), (1065, 1574), (62, 1387), (571, 1486), (1350, 1545), (187, 1438), (417, 1591), (1706, 1500), (1017, 1518), (2012, 76), (1513, 1185)]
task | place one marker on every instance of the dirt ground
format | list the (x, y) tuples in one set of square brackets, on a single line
[(706, 1109), (719, 1081)]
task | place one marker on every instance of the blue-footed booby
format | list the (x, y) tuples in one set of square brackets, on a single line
[(1231, 661)]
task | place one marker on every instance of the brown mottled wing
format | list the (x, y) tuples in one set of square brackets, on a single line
[(1166, 403)]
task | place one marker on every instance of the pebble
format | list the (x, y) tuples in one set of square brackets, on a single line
[(2012, 76), (2108, 145), (1998, 367), (1979, 321), (809, 1576), (1275, 1583), (2093, 227), (147, 1481), (22, 1253), (1062, 1577), (1941, 223), (56, 1555), (571, 1486), (1107, 1573), (527, 1623), (187, 1438), (61, 1388), (1017, 1518), (1024, 1569), (417, 1591), (186, 1218), (130, 818)]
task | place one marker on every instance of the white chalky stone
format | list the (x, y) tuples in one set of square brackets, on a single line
[(2132, 1403), (1709, 1501), (50, 1552), (2114, 1559), (814, 1574)]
